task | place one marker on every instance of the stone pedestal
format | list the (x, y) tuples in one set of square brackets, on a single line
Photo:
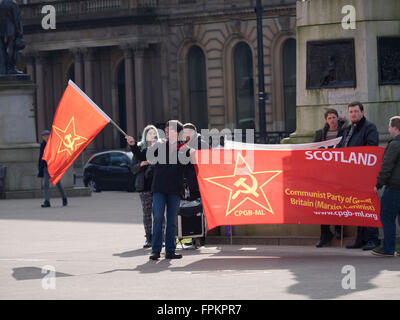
[(321, 20), (19, 151), (348, 61)]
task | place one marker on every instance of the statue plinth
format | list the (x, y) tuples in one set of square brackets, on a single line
[(8, 78), (19, 150)]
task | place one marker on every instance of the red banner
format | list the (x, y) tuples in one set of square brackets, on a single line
[(322, 186)]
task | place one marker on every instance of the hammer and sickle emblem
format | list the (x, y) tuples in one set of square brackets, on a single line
[(247, 189), (70, 144)]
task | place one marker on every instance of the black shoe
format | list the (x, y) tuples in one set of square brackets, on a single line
[(147, 244), (356, 245), (380, 253), (154, 256), (321, 243), (46, 204), (14, 70), (172, 255), (324, 241), (369, 246), (65, 202)]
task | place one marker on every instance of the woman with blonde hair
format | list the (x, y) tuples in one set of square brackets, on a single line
[(144, 176)]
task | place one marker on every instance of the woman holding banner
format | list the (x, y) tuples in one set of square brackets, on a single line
[(333, 128)]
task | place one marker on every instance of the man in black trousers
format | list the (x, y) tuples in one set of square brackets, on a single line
[(44, 173), (361, 132)]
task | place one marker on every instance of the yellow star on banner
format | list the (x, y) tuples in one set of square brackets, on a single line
[(245, 185), (69, 140)]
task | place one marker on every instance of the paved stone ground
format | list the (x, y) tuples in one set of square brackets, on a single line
[(95, 247)]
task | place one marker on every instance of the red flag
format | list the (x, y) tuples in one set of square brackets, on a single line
[(323, 186), (76, 122)]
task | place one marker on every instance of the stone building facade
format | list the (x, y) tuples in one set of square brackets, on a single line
[(147, 61)]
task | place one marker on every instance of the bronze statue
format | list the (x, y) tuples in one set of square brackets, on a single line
[(11, 37)]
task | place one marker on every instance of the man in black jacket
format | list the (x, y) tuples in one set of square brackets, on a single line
[(361, 132), (43, 173), (167, 187), (389, 176), (195, 141)]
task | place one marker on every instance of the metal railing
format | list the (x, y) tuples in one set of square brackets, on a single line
[(82, 7), (271, 137)]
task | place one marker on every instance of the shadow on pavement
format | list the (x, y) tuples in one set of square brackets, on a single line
[(317, 275), (34, 273), (132, 253), (188, 251)]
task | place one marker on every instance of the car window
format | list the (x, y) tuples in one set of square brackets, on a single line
[(116, 159), (101, 160)]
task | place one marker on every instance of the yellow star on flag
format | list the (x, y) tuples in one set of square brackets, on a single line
[(69, 140), (245, 185)]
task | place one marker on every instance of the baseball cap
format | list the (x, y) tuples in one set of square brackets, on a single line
[(45, 133)]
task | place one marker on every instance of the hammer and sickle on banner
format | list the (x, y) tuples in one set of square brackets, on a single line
[(247, 189), (248, 185)]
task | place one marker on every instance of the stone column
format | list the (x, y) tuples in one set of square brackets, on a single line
[(40, 93), (30, 67), (381, 101), (88, 87), (139, 89), (78, 67), (130, 102), (88, 67)]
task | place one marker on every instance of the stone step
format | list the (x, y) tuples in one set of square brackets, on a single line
[(37, 193), (275, 241)]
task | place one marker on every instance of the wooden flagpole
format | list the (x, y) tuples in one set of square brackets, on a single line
[(117, 127), (341, 236)]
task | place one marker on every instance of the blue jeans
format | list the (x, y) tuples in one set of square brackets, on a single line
[(390, 209), (171, 201)]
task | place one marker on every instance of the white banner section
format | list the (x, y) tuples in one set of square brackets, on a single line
[(233, 145)]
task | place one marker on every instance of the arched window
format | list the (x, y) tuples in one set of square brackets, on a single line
[(244, 86), (289, 83), (121, 101), (198, 110)]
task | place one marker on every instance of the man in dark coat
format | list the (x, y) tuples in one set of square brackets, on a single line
[(167, 187), (361, 132), (389, 176), (195, 141)]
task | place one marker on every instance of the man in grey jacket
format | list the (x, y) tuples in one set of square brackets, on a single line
[(389, 176), (361, 132)]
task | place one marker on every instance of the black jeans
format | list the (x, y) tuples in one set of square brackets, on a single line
[(365, 234), (325, 231)]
